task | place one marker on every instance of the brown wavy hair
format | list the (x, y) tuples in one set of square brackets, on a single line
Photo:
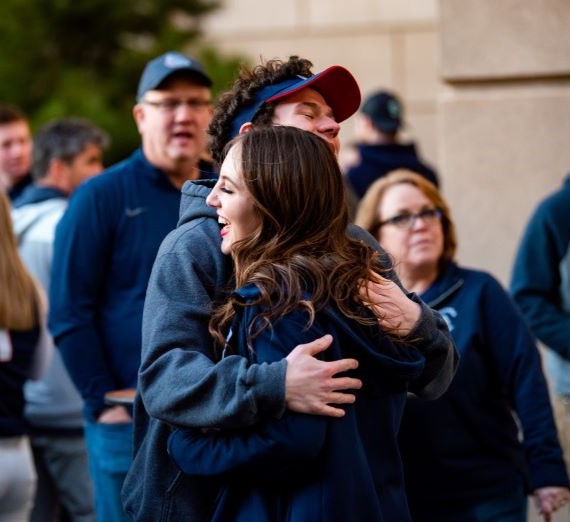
[(300, 244), (368, 218), (19, 298), (242, 93)]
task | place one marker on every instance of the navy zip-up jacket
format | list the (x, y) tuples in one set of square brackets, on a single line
[(307, 468), (463, 447), (104, 249)]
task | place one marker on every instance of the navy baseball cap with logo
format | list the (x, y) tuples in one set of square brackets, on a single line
[(160, 68), (335, 84), (385, 110)]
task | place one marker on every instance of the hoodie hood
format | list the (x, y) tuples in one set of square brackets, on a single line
[(371, 347), (377, 160), (36, 194), (389, 156), (41, 218), (193, 201)]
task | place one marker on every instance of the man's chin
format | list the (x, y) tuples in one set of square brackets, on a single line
[(184, 154)]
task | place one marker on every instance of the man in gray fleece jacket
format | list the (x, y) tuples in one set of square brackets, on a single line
[(179, 383)]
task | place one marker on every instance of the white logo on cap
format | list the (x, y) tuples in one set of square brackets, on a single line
[(394, 109), (174, 61)]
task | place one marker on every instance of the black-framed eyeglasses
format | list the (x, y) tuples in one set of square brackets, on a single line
[(407, 220), (172, 104)]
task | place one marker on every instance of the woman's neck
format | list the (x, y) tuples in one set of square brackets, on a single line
[(418, 280)]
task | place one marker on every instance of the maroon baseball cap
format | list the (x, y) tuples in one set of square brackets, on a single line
[(335, 84)]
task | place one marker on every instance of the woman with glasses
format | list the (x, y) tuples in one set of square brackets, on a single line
[(473, 454)]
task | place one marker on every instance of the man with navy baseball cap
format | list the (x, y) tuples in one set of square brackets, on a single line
[(106, 244)]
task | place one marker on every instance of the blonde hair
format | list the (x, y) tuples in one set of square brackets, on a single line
[(367, 215), (19, 299)]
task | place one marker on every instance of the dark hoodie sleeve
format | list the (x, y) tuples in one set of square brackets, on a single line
[(540, 271), (271, 446), (434, 340), (178, 380), (82, 236), (517, 360)]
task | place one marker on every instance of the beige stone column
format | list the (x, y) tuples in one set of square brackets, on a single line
[(504, 127)]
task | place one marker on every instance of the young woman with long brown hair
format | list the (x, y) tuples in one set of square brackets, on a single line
[(21, 358), (283, 218)]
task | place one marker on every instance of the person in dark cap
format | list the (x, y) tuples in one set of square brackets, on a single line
[(183, 382), (105, 245), (379, 149)]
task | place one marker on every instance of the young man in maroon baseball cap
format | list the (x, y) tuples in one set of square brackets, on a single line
[(286, 93)]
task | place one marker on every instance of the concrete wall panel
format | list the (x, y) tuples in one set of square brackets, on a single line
[(504, 39), (504, 149), (342, 13)]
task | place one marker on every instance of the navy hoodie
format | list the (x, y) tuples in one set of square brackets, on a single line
[(306, 468), (464, 447), (377, 160)]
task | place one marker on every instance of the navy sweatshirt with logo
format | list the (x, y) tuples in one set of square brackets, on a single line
[(464, 447)]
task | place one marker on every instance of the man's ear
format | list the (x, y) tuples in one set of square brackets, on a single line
[(57, 167), (246, 127), (138, 115)]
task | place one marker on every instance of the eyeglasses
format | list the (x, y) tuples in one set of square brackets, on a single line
[(170, 105), (407, 220)]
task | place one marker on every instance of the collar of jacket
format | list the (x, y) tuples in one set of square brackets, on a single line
[(447, 283)]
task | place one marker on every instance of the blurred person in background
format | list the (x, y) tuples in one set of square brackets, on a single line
[(463, 458), (105, 246), (379, 147), (24, 354), (66, 152), (15, 151), (540, 285)]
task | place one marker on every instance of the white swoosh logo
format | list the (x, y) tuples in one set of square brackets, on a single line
[(132, 212)]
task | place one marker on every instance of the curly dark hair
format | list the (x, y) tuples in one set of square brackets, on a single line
[(247, 84)]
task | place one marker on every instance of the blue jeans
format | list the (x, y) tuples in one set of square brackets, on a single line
[(110, 448)]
